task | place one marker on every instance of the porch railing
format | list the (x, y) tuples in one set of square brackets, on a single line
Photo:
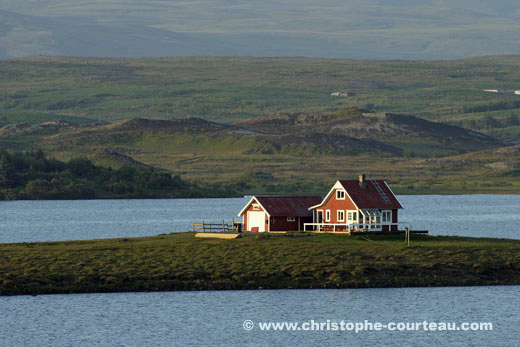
[(343, 227)]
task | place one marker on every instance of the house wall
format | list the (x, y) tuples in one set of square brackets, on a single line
[(334, 205), (394, 219), (281, 224), (250, 208)]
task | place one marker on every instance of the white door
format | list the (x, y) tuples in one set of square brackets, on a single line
[(256, 219)]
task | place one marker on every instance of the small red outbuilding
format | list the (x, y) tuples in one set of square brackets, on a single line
[(278, 213)]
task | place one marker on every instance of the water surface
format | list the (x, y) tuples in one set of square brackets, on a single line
[(25, 221), (216, 318)]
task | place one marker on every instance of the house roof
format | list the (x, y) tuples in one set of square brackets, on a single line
[(285, 206), (370, 197)]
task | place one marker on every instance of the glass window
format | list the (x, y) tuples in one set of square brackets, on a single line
[(341, 216), (340, 195)]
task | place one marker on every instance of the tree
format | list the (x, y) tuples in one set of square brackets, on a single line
[(7, 171)]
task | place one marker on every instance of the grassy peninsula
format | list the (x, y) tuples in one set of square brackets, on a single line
[(182, 262)]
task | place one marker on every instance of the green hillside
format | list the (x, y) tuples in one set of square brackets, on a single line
[(83, 90), (270, 124)]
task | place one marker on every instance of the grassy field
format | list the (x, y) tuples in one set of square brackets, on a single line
[(227, 90), (183, 262), (231, 89)]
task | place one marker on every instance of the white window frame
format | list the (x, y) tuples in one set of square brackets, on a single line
[(342, 219), (350, 216), (385, 214), (327, 215), (256, 207), (291, 219), (338, 193)]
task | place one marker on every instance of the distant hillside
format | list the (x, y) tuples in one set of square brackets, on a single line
[(376, 29), (196, 135), (230, 89), (285, 154), (403, 131)]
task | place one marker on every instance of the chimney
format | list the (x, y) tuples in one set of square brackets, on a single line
[(362, 181)]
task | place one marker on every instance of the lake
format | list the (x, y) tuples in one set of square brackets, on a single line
[(215, 318), (26, 221)]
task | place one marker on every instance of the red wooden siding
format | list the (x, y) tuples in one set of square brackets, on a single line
[(334, 205)]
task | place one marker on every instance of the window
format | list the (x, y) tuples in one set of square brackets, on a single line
[(256, 207), (291, 219), (352, 216), (340, 195), (387, 216), (341, 216), (327, 215)]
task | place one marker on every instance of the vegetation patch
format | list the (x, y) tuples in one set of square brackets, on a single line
[(182, 262)]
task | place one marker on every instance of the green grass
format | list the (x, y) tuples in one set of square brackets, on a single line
[(83, 90), (183, 262), (231, 89)]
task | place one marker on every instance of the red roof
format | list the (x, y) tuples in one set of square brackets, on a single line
[(369, 197), (288, 206)]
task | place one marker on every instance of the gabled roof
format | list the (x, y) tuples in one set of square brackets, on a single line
[(365, 198), (369, 197), (285, 206)]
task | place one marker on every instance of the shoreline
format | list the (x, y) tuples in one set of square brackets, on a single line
[(181, 262)]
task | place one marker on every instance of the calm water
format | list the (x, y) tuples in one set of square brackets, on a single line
[(216, 318), (22, 221)]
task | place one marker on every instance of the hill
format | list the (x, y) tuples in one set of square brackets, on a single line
[(373, 29), (198, 135), (288, 153), (227, 90), (188, 116), (404, 131)]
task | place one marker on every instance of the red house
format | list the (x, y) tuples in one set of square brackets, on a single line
[(357, 205), (278, 213), (351, 205)]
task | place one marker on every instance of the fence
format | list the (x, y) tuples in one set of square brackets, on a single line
[(217, 227)]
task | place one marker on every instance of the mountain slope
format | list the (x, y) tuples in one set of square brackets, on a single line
[(395, 129), (198, 135), (422, 29)]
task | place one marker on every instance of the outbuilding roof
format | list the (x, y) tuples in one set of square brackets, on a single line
[(285, 206)]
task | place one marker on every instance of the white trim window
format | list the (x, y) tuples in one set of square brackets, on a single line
[(341, 216), (352, 216), (386, 216), (340, 195), (291, 219), (327, 215), (256, 207)]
